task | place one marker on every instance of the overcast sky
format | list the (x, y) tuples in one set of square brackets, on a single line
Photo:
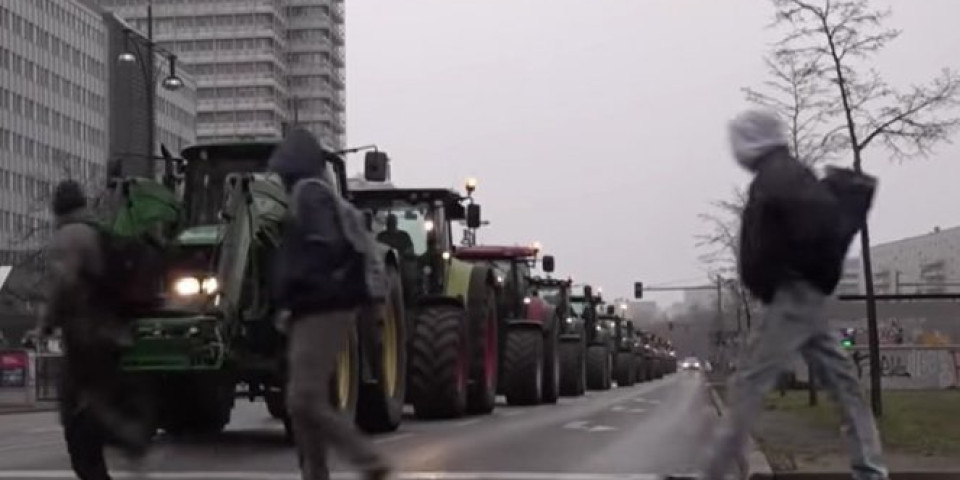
[(597, 127)]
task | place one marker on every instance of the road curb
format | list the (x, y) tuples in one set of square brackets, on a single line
[(754, 463), (21, 409)]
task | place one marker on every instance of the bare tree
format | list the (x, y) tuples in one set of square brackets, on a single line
[(846, 34)]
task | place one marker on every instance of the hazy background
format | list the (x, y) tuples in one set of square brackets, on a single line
[(597, 127)]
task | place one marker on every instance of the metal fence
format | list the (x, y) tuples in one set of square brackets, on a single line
[(49, 368)]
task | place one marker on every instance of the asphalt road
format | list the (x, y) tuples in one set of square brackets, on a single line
[(634, 433)]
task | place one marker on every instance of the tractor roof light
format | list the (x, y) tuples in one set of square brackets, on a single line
[(471, 185)]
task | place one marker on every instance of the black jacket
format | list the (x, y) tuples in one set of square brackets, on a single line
[(790, 229), (313, 247)]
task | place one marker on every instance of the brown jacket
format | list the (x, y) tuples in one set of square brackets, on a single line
[(75, 265)]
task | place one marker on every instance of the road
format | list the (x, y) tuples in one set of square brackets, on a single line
[(634, 433)]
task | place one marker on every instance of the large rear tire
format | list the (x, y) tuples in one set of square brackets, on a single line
[(573, 368), (551, 366), (523, 367), (439, 364), (482, 393), (598, 367), (626, 369), (381, 400)]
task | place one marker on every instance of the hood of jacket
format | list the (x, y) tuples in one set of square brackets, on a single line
[(299, 156), (754, 134)]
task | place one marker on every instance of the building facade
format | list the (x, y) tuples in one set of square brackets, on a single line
[(260, 65), (54, 109), (68, 106), (927, 263)]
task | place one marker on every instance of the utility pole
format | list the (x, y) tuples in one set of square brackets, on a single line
[(151, 100)]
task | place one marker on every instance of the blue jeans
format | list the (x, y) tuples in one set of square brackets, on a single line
[(794, 323)]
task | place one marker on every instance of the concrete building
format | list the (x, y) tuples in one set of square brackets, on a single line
[(927, 263), (850, 280), (67, 106), (261, 65)]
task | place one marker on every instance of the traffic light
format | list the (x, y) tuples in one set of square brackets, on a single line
[(848, 338), (638, 290)]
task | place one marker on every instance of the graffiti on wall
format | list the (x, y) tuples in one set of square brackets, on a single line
[(913, 368)]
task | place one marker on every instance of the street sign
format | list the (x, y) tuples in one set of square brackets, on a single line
[(13, 368)]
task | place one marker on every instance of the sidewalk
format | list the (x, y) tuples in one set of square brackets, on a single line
[(15, 408)]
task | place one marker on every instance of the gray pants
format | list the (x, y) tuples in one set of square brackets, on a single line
[(315, 342), (794, 323)]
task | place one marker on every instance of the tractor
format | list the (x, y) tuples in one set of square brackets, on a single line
[(451, 304), (529, 364), (597, 337), (625, 364), (213, 326), (572, 348)]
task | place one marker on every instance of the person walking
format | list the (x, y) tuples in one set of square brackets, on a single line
[(318, 269), (795, 233), (93, 338)]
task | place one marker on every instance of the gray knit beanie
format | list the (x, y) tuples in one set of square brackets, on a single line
[(755, 133)]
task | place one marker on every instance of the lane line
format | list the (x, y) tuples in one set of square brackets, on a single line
[(467, 423), (250, 475), (512, 413), (393, 438), (26, 446)]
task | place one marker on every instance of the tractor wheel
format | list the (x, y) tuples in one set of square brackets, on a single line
[(598, 367), (439, 362), (573, 368), (626, 369), (345, 381), (482, 392), (381, 401), (551, 366), (276, 403), (523, 367)]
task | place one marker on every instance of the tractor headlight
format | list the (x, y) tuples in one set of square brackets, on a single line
[(570, 321), (445, 255), (188, 286), (526, 300), (428, 225), (598, 328)]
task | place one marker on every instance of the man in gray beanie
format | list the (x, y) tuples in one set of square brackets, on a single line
[(792, 243)]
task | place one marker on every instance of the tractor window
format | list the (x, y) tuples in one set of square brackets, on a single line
[(552, 295), (404, 228)]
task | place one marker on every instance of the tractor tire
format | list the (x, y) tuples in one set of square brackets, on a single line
[(573, 368), (484, 335), (345, 381), (551, 366), (385, 330), (276, 403), (598, 367), (523, 366), (439, 362), (626, 369)]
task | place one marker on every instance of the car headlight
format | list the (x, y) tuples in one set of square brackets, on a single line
[(188, 286)]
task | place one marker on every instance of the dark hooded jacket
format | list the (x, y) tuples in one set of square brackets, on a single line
[(314, 248), (790, 228)]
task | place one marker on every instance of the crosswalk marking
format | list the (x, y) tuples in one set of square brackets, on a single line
[(214, 475)]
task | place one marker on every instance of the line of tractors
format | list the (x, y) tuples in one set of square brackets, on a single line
[(463, 323)]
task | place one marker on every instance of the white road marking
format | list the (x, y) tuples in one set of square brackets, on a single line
[(214, 475), (621, 408), (27, 446), (586, 427), (511, 413), (54, 429), (467, 423), (393, 438), (644, 400)]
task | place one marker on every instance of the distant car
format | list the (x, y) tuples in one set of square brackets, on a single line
[(691, 363)]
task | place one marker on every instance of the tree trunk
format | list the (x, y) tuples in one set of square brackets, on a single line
[(873, 332)]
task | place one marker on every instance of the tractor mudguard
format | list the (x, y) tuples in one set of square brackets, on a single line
[(525, 323), (435, 300)]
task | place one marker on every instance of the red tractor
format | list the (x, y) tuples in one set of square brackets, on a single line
[(528, 331)]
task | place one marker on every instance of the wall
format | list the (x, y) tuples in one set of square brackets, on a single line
[(912, 367)]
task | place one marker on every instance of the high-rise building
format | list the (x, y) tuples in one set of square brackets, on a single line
[(928, 263), (68, 106), (261, 65)]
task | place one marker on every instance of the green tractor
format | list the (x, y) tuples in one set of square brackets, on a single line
[(598, 332), (451, 304), (214, 325), (529, 363)]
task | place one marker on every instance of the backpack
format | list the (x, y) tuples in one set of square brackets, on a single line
[(854, 193), (360, 278), (132, 269)]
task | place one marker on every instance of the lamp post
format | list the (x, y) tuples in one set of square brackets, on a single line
[(170, 82)]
